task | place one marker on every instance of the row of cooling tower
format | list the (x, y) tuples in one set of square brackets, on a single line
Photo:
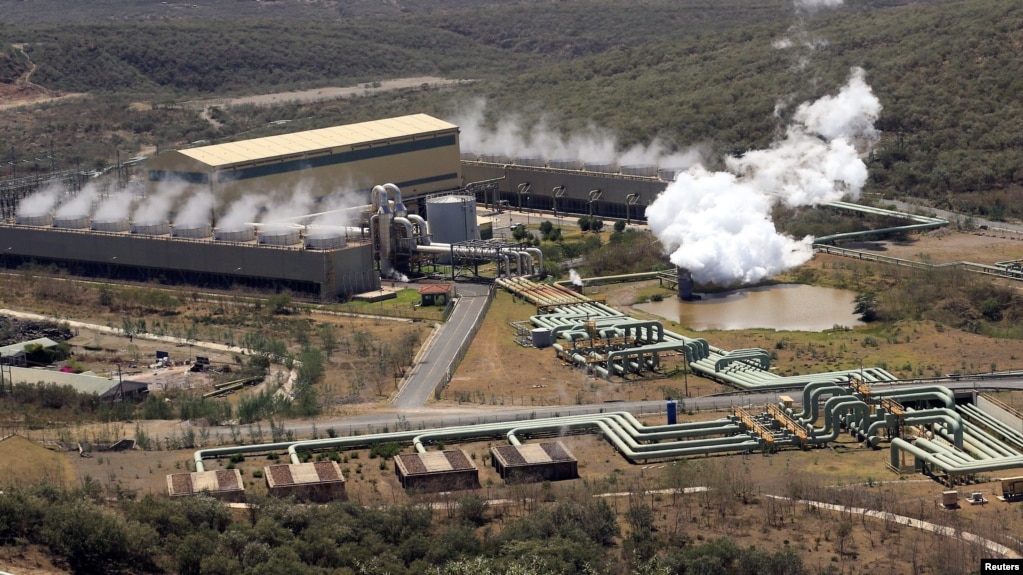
[(314, 237), (602, 167)]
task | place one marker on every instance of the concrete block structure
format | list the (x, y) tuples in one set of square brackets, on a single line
[(318, 482), (224, 484), (436, 471), (123, 255), (534, 462)]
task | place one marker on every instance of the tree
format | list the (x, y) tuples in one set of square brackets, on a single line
[(620, 226), (866, 306)]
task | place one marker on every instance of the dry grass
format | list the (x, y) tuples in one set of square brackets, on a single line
[(23, 463)]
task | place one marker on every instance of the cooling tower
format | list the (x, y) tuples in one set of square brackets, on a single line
[(79, 222), (565, 164), (39, 220), (150, 228), (111, 225), (279, 236), (645, 170), (604, 167), (192, 231), (531, 161), (242, 234)]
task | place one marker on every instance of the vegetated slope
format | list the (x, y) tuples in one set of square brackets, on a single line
[(62, 12), (12, 64), (559, 31), (226, 57), (948, 76)]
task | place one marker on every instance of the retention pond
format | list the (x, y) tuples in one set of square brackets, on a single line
[(785, 307)]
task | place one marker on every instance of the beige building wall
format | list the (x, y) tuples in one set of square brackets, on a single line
[(418, 153)]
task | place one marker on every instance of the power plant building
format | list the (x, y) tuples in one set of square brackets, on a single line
[(418, 153)]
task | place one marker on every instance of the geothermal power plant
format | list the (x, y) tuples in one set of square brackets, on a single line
[(326, 213)]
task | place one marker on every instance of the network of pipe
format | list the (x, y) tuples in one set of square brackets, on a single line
[(398, 234), (951, 442)]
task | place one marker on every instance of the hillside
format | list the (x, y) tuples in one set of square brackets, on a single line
[(688, 73)]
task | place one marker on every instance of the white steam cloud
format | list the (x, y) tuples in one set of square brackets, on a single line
[(198, 210), (812, 5), (114, 208), (156, 207), (41, 202), (718, 224), (240, 213), (513, 138), (79, 205)]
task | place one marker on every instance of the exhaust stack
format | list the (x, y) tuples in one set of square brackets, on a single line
[(685, 284)]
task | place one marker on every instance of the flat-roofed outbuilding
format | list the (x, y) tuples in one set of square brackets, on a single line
[(224, 484), (435, 471), (534, 462), (319, 482)]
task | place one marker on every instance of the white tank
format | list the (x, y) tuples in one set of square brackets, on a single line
[(452, 218), (603, 166), (565, 164), (495, 158), (531, 161), (71, 222), (114, 225), (325, 241), (39, 220), (150, 228), (192, 231), (279, 236), (669, 174), (645, 170), (242, 234)]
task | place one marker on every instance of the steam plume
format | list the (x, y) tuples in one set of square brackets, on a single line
[(196, 210), (79, 205), (115, 207), (718, 225), (513, 137), (41, 202)]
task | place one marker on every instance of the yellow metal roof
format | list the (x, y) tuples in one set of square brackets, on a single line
[(311, 141)]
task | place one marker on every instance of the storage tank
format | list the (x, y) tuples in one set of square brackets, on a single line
[(452, 218), (645, 170), (603, 166), (242, 234), (192, 231), (37, 220), (324, 239), (495, 158), (110, 225), (669, 174), (531, 161), (279, 236), (79, 222), (542, 338), (565, 164), (150, 228)]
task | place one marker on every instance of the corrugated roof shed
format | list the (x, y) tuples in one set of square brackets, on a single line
[(15, 349), (313, 141)]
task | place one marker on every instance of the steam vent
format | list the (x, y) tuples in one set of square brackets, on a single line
[(319, 482), (224, 484), (534, 462), (435, 471), (685, 284)]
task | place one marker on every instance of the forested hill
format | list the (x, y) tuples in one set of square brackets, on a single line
[(689, 72)]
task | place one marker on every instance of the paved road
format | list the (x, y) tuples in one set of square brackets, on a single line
[(437, 358), (443, 416)]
